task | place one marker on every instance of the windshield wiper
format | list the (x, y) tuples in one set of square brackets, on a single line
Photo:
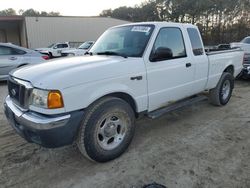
[(111, 53)]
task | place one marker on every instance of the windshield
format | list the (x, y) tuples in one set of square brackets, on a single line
[(85, 45), (129, 41), (50, 46), (246, 40)]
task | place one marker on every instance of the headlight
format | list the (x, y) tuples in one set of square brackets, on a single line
[(47, 99)]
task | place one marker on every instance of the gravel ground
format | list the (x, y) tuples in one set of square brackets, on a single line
[(201, 146)]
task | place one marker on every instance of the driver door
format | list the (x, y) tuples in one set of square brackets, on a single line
[(169, 78)]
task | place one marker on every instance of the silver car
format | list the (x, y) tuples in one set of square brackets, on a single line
[(12, 56)]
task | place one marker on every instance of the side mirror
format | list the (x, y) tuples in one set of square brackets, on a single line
[(55, 47), (161, 53)]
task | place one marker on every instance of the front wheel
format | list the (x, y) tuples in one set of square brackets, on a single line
[(107, 129), (222, 93), (50, 55)]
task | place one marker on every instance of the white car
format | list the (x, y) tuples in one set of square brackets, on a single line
[(54, 50), (81, 50), (136, 69), (244, 44), (12, 57)]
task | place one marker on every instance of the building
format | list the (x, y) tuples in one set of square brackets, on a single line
[(35, 32)]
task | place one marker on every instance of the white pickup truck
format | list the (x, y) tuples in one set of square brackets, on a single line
[(80, 51), (55, 49), (137, 69)]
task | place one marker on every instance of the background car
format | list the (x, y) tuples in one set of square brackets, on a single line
[(244, 44), (246, 66), (54, 50), (12, 56), (223, 46), (81, 50)]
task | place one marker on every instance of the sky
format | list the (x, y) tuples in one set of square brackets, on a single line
[(68, 7)]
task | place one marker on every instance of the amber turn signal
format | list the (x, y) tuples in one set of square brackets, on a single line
[(55, 100)]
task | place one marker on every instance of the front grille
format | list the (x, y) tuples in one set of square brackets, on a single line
[(14, 90), (18, 92)]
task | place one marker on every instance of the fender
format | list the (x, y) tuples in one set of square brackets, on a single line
[(80, 97)]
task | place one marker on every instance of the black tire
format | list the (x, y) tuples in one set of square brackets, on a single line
[(89, 140), (50, 55), (216, 96)]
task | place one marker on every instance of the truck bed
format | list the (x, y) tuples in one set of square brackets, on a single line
[(218, 51), (218, 60)]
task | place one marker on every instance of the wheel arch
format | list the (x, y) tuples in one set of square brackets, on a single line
[(229, 69), (124, 96), (21, 65)]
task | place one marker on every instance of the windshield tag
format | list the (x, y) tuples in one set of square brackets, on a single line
[(143, 29)]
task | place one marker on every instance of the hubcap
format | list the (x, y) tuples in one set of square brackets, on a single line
[(225, 90), (111, 131)]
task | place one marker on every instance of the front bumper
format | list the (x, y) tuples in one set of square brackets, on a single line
[(247, 69), (46, 130)]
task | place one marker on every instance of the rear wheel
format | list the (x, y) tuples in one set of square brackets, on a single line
[(107, 129), (222, 93)]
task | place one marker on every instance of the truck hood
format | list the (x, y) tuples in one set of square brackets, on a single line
[(68, 72)]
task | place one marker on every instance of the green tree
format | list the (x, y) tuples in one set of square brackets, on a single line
[(31, 12), (8, 12), (54, 14)]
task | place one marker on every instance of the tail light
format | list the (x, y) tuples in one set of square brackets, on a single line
[(45, 57), (244, 59)]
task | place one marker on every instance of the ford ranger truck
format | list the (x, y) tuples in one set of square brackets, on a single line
[(132, 70), (55, 49)]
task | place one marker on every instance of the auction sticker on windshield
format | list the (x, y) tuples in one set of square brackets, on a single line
[(143, 29)]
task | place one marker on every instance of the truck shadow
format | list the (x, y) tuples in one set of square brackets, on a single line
[(3, 83)]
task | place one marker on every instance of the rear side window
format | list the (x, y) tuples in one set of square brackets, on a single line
[(65, 45), (62, 45), (18, 51), (195, 41), (4, 50), (59, 45), (171, 40)]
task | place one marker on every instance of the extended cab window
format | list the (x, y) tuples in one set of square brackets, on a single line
[(195, 41), (169, 44)]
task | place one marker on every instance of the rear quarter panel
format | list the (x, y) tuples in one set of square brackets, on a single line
[(219, 61)]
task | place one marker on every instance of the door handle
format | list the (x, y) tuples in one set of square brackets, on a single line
[(188, 64), (12, 58), (136, 78)]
